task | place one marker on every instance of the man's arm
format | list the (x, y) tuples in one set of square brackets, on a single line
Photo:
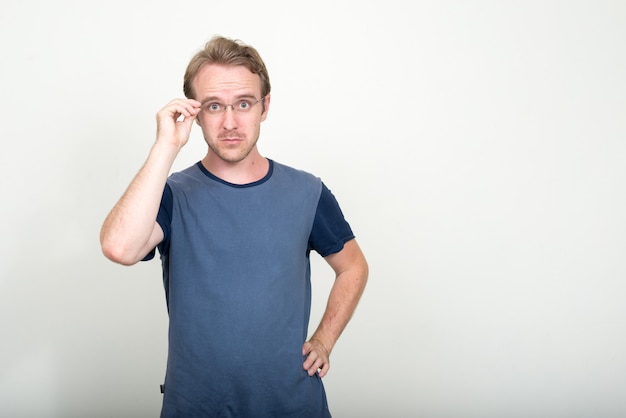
[(130, 230), (351, 272)]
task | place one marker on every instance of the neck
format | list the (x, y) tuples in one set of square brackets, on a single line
[(252, 168)]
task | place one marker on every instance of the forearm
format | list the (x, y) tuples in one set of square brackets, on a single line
[(342, 303), (129, 226), (351, 276), (130, 231), (350, 281)]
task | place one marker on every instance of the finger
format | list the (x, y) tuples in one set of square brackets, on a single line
[(324, 369), (187, 119), (185, 110), (314, 362), (310, 360), (178, 107), (311, 369), (318, 365), (185, 102)]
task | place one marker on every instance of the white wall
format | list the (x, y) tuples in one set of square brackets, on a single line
[(477, 149)]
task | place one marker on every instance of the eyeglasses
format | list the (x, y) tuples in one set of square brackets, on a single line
[(240, 106)]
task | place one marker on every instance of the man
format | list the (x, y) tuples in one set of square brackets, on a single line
[(234, 232)]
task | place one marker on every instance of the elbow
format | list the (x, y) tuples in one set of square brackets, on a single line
[(117, 252), (364, 273), (362, 268), (118, 257)]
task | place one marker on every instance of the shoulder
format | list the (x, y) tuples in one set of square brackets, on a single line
[(282, 171), (186, 178)]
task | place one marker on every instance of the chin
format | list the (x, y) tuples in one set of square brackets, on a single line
[(233, 158)]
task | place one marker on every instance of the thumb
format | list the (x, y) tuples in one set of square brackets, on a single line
[(185, 125), (187, 121)]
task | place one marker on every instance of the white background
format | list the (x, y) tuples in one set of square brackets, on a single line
[(477, 149)]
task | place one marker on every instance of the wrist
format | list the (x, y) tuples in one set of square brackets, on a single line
[(162, 154), (165, 147), (319, 338), (167, 144)]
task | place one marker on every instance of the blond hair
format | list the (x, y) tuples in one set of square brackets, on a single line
[(225, 51)]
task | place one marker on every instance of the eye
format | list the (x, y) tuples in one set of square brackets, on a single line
[(243, 105), (214, 107)]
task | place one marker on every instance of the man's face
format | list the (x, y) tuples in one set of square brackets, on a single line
[(231, 134)]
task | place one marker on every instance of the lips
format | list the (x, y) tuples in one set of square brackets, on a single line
[(230, 141), (230, 138)]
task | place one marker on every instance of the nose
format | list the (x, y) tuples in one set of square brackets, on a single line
[(230, 119)]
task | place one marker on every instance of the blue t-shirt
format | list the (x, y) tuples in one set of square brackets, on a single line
[(237, 281)]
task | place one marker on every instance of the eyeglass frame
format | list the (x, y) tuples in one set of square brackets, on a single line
[(224, 107)]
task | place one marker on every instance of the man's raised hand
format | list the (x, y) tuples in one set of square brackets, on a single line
[(175, 120)]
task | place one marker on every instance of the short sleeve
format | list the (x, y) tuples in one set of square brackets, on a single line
[(164, 219), (330, 229)]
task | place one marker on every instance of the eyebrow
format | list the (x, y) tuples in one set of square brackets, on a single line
[(217, 99)]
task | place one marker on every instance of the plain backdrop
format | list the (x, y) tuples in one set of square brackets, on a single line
[(478, 149)]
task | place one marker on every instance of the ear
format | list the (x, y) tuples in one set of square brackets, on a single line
[(266, 106)]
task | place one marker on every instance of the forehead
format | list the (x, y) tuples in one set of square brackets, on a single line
[(214, 80)]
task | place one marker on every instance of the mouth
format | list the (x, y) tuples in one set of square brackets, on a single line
[(231, 142)]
